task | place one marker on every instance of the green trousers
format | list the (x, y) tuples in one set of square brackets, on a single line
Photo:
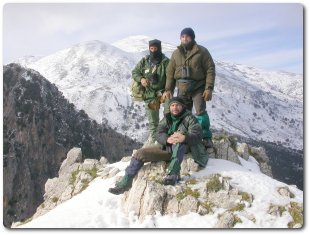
[(153, 118)]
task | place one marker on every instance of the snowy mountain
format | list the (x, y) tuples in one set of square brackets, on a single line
[(222, 195), (139, 43), (25, 60), (250, 102)]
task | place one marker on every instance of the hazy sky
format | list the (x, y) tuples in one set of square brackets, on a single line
[(268, 36)]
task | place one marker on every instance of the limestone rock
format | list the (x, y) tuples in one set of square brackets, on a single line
[(188, 204), (73, 156), (226, 220)]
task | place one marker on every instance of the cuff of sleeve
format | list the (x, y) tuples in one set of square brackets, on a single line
[(186, 139)]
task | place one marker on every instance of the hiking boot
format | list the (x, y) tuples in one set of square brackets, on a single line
[(123, 185), (171, 179), (208, 143), (117, 190)]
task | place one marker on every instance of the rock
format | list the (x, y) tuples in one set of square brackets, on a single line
[(260, 155), (154, 196), (274, 210), (153, 171), (248, 215), (221, 147), (103, 161), (211, 153), (188, 204), (73, 178), (223, 199), (73, 156), (202, 210), (284, 191), (126, 159), (224, 151), (232, 156), (132, 199), (172, 205), (243, 150), (90, 164), (226, 220), (188, 165)]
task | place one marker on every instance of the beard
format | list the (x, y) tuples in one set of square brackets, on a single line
[(189, 45)]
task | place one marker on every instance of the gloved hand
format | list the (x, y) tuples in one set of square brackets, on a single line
[(144, 82), (167, 95), (207, 95)]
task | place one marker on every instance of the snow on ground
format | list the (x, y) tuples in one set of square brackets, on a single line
[(97, 208)]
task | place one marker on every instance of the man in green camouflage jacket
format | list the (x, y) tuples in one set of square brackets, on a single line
[(151, 73)]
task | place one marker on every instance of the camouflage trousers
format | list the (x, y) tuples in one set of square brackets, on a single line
[(153, 119)]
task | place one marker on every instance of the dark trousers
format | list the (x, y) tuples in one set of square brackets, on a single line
[(195, 98)]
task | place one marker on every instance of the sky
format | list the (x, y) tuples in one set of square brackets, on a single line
[(267, 36)]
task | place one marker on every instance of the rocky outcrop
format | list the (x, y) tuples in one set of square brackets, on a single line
[(228, 148), (205, 195), (39, 128), (73, 177), (149, 196)]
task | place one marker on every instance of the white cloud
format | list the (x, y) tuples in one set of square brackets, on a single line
[(44, 28)]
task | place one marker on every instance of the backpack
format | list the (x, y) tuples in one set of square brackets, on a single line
[(137, 91), (199, 152)]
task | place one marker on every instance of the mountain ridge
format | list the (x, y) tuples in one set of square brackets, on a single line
[(247, 101)]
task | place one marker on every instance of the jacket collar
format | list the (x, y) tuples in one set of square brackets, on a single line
[(192, 52)]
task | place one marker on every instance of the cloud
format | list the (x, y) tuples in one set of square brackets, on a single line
[(235, 29)]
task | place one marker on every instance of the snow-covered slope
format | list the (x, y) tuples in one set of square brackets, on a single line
[(259, 104), (28, 59), (95, 207), (139, 43), (254, 103), (96, 76)]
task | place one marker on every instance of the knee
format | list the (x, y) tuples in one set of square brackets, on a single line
[(139, 154)]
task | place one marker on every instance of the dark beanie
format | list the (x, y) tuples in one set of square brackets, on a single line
[(177, 100), (188, 31), (155, 42)]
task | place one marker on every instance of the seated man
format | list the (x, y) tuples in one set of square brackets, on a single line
[(178, 128)]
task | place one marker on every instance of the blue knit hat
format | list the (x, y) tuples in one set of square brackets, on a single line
[(188, 31)]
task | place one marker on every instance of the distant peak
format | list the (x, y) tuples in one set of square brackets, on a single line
[(139, 43)]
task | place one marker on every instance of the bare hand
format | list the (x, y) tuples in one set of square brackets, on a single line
[(177, 137), (145, 82), (167, 95)]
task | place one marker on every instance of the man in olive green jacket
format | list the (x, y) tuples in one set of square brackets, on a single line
[(151, 73), (192, 70)]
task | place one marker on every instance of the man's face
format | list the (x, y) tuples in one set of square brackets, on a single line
[(153, 48), (185, 39), (175, 109)]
